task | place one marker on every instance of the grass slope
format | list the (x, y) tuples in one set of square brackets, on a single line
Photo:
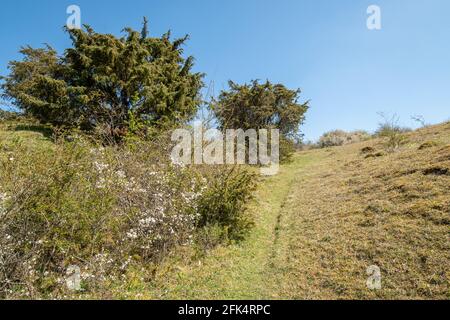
[(320, 224), (330, 215)]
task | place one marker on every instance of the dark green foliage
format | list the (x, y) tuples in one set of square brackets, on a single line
[(103, 81), (262, 106), (222, 208)]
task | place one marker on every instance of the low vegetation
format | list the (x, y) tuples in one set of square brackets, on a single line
[(340, 138), (105, 210)]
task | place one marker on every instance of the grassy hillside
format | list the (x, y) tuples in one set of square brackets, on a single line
[(330, 215), (320, 224)]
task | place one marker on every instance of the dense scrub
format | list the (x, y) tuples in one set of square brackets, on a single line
[(106, 210)]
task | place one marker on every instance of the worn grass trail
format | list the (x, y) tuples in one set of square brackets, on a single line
[(248, 270)]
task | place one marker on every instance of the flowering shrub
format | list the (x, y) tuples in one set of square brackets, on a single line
[(104, 210)]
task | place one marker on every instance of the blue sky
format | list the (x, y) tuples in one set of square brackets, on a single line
[(321, 46)]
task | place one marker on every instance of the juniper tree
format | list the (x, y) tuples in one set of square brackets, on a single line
[(103, 80), (262, 106)]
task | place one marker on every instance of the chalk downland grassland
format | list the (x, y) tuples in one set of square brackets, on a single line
[(320, 223), (327, 217)]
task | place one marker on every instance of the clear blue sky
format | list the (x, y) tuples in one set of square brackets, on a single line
[(320, 46)]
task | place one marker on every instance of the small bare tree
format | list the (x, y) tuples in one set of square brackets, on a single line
[(390, 129)]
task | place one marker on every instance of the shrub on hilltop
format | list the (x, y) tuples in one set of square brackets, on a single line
[(340, 138)]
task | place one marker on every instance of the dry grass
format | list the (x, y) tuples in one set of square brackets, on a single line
[(352, 211), (330, 215)]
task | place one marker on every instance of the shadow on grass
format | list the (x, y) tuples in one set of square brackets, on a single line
[(45, 131)]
